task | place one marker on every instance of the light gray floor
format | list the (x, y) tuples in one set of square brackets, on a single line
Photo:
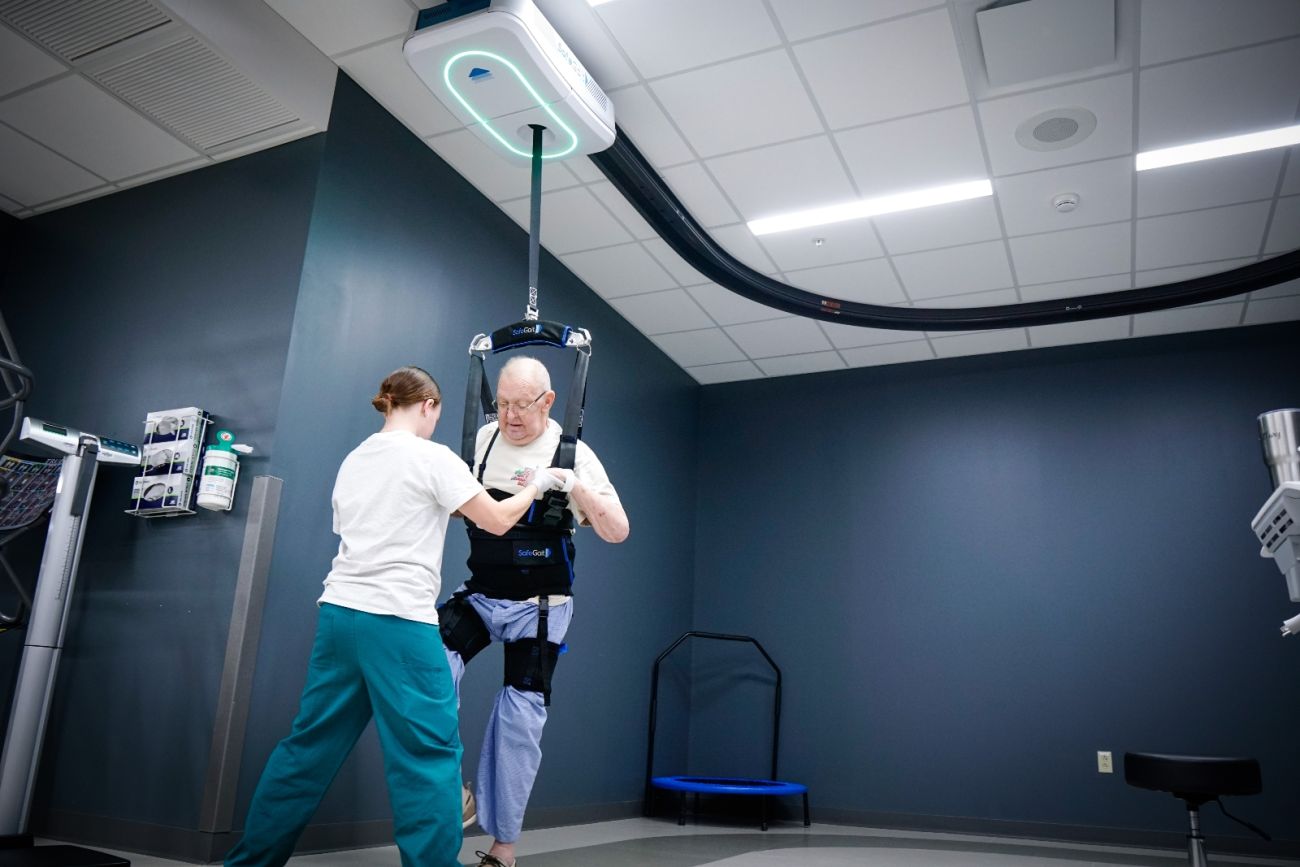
[(661, 843)]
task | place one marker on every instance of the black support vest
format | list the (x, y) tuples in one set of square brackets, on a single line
[(534, 558)]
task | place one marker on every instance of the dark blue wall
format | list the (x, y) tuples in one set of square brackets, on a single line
[(177, 293), (979, 572), (405, 263)]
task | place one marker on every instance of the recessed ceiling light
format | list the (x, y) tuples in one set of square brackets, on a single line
[(872, 207), (1219, 147)]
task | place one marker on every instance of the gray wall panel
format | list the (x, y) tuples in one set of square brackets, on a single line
[(977, 573), (177, 293)]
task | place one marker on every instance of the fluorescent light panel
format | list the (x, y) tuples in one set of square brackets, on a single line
[(872, 207), (1219, 147)]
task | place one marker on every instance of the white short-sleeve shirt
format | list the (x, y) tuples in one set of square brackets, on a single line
[(507, 461), (393, 497)]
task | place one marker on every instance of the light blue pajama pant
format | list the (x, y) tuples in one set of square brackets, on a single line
[(365, 665), (512, 744)]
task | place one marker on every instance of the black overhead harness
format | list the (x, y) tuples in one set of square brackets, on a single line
[(535, 557)]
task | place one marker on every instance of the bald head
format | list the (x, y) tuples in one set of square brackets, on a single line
[(526, 370), (524, 399)]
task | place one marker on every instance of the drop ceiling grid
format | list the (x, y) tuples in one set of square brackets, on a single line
[(132, 133), (358, 35)]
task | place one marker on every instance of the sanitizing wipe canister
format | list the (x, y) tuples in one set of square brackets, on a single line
[(220, 471)]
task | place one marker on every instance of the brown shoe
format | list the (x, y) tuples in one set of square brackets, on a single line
[(493, 861), (469, 809)]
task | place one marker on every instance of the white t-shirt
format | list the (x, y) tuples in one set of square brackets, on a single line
[(507, 460), (392, 499)]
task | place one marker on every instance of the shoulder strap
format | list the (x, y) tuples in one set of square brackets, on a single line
[(478, 398)]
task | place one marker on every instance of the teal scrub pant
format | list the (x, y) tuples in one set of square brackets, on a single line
[(365, 665)]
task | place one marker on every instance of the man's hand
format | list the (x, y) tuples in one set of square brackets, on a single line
[(545, 478)]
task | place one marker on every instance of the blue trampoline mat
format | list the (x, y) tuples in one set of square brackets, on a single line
[(728, 786)]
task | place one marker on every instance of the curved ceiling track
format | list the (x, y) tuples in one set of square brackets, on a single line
[(633, 175)]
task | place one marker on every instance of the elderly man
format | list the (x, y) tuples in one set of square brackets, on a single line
[(519, 589)]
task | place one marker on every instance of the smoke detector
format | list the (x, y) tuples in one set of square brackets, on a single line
[(1056, 129), (1065, 202)]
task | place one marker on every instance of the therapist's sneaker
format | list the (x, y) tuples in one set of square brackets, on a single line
[(492, 861), (469, 810)]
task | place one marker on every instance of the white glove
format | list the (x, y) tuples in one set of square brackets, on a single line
[(542, 477), (567, 478)]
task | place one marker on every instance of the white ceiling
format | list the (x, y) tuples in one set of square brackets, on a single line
[(752, 107)]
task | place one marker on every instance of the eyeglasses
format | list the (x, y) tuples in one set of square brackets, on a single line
[(520, 408)]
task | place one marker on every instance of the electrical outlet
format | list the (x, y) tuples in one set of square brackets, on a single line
[(1105, 765)]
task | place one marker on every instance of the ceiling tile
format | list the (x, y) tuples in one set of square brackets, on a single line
[(901, 67), (891, 353), (1160, 276), (1220, 95), (718, 111), (689, 348), (615, 271), (942, 147), (585, 170), (1173, 29), (789, 336), (572, 220), (31, 174), (1208, 184), (1272, 310), (1105, 191), (1198, 318), (940, 226), (971, 299), (848, 336), (1280, 290), (1073, 254), (954, 271), (591, 43), (1075, 288), (23, 64), (730, 371), (870, 282), (673, 263), (841, 242), (10, 206), (792, 365), (640, 117), (801, 19), (728, 308), (1110, 99), (700, 195), (1284, 234), (622, 210), (336, 26), (980, 344), (671, 35), (661, 312), (168, 171), (494, 175), (75, 198), (384, 73), (740, 242), (1201, 236), (83, 123), (1091, 331), (786, 177)]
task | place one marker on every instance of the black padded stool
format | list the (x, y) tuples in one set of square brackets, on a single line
[(1195, 780)]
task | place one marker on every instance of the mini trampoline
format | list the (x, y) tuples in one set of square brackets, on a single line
[(681, 784)]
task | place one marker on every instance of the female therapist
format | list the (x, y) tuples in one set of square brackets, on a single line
[(377, 650)]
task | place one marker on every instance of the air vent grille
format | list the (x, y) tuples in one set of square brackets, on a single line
[(598, 95), (73, 29), (196, 94)]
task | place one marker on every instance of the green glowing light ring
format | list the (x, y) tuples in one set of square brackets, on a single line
[(446, 77)]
